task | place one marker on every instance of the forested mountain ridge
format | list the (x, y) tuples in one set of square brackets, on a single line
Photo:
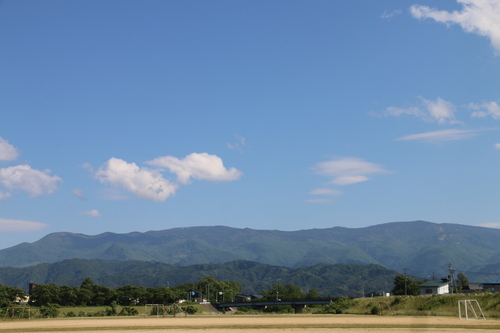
[(334, 280), (423, 247)]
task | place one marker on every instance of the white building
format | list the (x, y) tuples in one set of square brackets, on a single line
[(434, 287)]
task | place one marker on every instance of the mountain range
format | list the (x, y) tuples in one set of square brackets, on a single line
[(423, 248)]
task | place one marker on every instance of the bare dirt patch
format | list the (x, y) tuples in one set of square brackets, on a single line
[(261, 323)]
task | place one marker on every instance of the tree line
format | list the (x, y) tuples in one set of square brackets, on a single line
[(92, 294), (207, 288), (406, 285)]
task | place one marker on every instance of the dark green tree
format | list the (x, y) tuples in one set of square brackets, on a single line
[(45, 294), (405, 285), (9, 295), (130, 295), (102, 295), (462, 282), (216, 289), (313, 293), (94, 294), (283, 291), (68, 296)]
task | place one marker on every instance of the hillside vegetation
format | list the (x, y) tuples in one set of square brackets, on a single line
[(333, 280), (423, 247)]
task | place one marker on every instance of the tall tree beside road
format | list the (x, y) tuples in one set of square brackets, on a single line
[(405, 285)]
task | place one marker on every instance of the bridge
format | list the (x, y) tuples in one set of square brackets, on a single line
[(260, 305)]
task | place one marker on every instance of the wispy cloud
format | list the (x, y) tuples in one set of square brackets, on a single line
[(440, 111), (325, 191), (497, 146), (93, 213), (480, 17), (440, 136), (7, 151), (34, 182), (348, 170), (113, 194), (487, 109), (239, 144), (9, 225), (77, 192), (319, 200), (389, 14)]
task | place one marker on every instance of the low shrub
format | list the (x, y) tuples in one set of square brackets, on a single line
[(49, 310), (339, 306), (128, 311), (434, 302), (70, 314)]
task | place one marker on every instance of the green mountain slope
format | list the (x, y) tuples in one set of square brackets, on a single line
[(423, 247), (334, 280)]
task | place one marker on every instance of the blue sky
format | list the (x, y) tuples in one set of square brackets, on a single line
[(129, 116)]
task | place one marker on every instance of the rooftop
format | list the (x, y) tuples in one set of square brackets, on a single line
[(433, 284)]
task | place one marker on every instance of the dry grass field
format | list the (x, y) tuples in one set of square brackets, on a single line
[(255, 323)]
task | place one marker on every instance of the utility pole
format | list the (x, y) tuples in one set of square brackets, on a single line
[(406, 287), (278, 290), (451, 277)]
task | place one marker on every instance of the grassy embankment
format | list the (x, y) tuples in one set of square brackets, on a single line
[(434, 305)]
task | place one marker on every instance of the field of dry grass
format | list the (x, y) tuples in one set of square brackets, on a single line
[(260, 323)]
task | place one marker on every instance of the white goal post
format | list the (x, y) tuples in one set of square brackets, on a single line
[(160, 310), (12, 311), (472, 306)]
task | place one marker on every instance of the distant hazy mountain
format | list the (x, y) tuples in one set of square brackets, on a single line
[(423, 247), (334, 280)]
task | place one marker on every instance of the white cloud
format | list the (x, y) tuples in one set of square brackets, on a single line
[(439, 111), (198, 166), (4, 195), (7, 151), (439, 136), (92, 213), (8, 225), (480, 17), (348, 170), (34, 182), (77, 192), (325, 191), (497, 145), (486, 109), (387, 15), (489, 225), (142, 182)]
